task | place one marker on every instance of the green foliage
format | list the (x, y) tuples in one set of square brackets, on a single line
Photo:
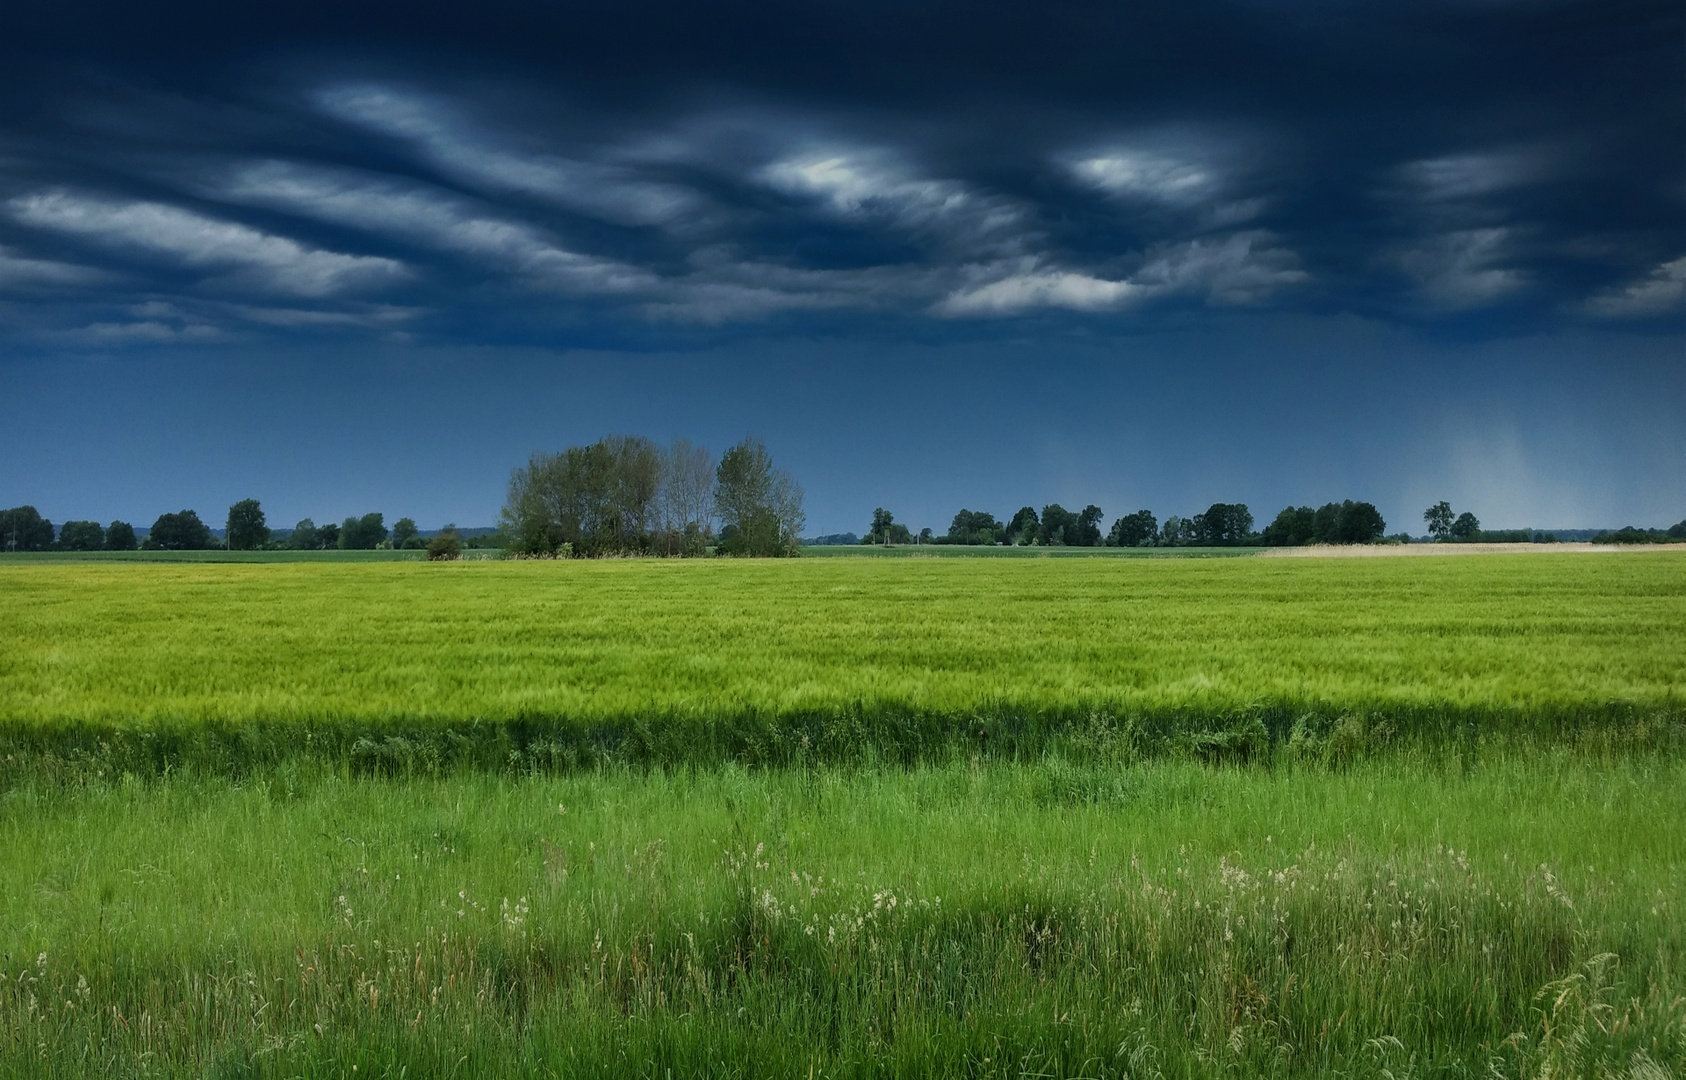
[(306, 537), (406, 535), (1024, 528), (760, 505), (1466, 528), (620, 495), (362, 534), (1222, 525), (1630, 535), (81, 536), (181, 531), (246, 529), (1134, 530), (22, 528), (120, 536), (1345, 522), (445, 547), (975, 527), (1438, 518)]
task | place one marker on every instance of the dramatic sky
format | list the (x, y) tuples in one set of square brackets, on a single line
[(348, 257)]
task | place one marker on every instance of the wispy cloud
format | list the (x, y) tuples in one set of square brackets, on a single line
[(253, 258), (414, 214), (1147, 174), (1660, 292), (20, 271), (1464, 268), (456, 146), (1244, 268)]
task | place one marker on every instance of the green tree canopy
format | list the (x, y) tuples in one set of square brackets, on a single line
[(305, 536), (762, 505), (120, 536), (1134, 530), (1438, 518), (1466, 528), (405, 534), (362, 534), (181, 531), (81, 536), (246, 529), (22, 528)]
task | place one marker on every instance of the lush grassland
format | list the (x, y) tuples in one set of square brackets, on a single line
[(1503, 917), (994, 817), (582, 643)]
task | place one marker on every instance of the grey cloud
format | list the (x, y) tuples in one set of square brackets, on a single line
[(1660, 292), (23, 272), (1463, 269), (451, 143), (429, 218), (253, 258)]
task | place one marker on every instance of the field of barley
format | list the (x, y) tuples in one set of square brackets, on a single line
[(845, 817)]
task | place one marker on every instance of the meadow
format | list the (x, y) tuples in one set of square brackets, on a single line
[(845, 817)]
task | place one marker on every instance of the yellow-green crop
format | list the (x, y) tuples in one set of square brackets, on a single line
[(139, 644)]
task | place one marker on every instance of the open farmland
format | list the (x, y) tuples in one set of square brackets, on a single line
[(845, 817)]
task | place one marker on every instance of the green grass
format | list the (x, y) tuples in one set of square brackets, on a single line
[(702, 660), (971, 919), (952, 551), (845, 817), (32, 558)]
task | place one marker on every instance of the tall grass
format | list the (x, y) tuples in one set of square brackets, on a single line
[(1498, 918), (539, 664)]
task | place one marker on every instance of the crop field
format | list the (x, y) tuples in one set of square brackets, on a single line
[(845, 817)]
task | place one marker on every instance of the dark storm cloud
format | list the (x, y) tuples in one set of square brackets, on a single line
[(196, 172)]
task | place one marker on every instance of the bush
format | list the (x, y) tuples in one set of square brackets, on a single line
[(444, 547)]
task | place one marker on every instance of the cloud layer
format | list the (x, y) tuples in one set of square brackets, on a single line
[(647, 175)]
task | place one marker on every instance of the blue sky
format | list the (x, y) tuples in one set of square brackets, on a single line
[(985, 255)]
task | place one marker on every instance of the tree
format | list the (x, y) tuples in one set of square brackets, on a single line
[(246, 529), (406, 535), (882, 523), (446, 546), (1223, 525), (760, 504), (81, 536), (1294, 526), (1088, 530), (686, 501), (974, 527), (1134, 530), (1024, 527), (1439, 520), (1059, 526), (597, 499), (305, 536), (1174, 532), (1467, 527), (327, 537), (362, 534), (1677, 531), (120, 536), (1360, 523), (181, 531), (22, 528)]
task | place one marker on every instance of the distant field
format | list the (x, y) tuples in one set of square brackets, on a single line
[(1498, 639)]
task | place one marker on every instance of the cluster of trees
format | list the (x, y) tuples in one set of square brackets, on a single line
[(624, 495), (1674, 534), (1344, 522), (22, 528), (1220, 525)]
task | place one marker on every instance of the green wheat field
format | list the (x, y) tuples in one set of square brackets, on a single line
[(845, 817)]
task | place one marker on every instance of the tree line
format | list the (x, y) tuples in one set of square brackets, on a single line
[(625, 495), (22, 528), (1219, 525)]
